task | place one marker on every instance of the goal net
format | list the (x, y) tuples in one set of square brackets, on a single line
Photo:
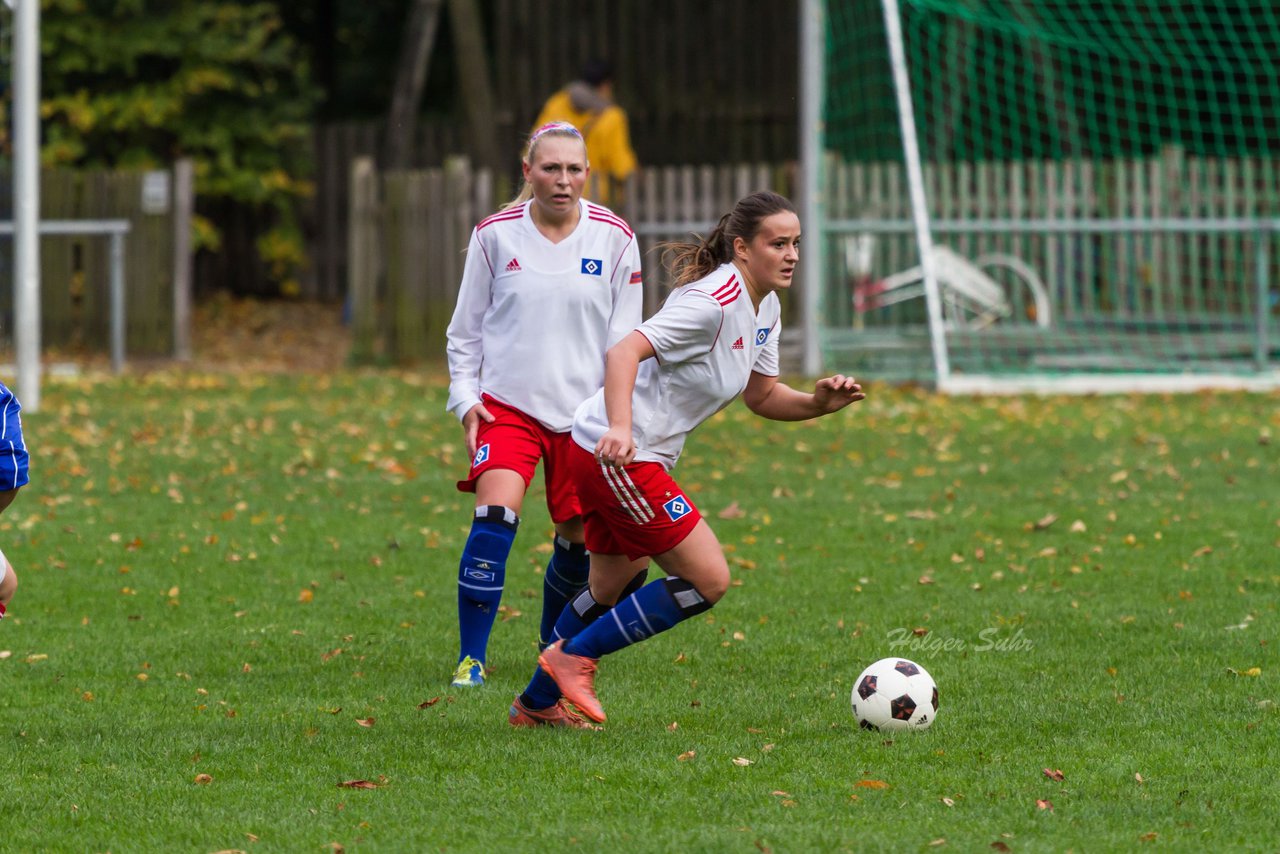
[(1052, 193)]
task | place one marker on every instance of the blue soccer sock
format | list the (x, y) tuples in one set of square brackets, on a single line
[(481, 575), (577, 615), (651, 610), (564, 579)]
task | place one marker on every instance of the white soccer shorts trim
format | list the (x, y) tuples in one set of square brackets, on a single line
[(628, 494)]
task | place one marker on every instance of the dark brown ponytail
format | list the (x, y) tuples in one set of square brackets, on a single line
[(691, 261)]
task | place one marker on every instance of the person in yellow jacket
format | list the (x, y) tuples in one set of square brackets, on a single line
[(587, 104)]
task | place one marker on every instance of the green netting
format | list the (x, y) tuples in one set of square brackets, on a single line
[(1074, 113)]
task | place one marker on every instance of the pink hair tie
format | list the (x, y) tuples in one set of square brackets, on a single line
[(564, 127)]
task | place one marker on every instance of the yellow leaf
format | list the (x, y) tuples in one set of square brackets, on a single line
[(871, 784)]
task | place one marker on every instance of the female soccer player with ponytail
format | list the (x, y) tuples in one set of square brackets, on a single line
[(715, 337), (550, 282)]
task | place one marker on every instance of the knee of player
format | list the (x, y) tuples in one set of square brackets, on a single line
[(8, 582), (714, 585)]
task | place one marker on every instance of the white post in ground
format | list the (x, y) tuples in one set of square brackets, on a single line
[(26, 200), (812, 63), (915, 181)]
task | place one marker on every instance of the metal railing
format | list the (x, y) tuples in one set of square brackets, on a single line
[(114, 230)]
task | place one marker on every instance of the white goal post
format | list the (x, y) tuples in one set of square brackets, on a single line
[(1043, 198)]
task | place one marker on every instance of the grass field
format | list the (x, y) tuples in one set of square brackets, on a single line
[(237, 594)]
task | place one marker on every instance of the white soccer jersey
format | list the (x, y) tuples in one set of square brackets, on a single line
[(534, 318), (708, 340)]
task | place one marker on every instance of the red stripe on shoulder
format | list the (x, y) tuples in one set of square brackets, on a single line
[(611, 220), (728, 292), (501, 216)]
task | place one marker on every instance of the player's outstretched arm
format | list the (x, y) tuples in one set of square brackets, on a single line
[(769, 398), (617, 446)]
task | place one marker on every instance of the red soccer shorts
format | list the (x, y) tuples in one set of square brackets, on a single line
[(638, 510), (516, 442)]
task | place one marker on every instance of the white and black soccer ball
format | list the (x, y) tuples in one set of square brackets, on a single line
[(895, 694)]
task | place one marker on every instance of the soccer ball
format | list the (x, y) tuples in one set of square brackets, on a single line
[(895, 694)]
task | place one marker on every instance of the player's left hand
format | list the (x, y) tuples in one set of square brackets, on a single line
[(831, 394)]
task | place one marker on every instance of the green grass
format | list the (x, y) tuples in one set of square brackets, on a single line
[(174, 522)]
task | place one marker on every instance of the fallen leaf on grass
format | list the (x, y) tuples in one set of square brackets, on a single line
[(871, 784), (733, 511), (949, 802), (1252, 671), (203, 779), (366, 722), (1053, 774), (1042, 523), (742, 761), (999, 846), (1139, 779), (306, 595), (686, 756), (426, 704), (357, 784), (1044, 805)]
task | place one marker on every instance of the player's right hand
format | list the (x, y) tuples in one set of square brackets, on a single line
[(616, 448), (471, 426)]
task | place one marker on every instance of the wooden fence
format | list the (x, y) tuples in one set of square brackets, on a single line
[(409, 232), (1155, 276), (74, 270)]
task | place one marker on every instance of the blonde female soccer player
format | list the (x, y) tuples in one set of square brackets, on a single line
[(550, 282), (715, 337)]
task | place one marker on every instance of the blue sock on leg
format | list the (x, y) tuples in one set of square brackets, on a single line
[(577, 615), (651, 610), (564, 579), (481, 575)]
